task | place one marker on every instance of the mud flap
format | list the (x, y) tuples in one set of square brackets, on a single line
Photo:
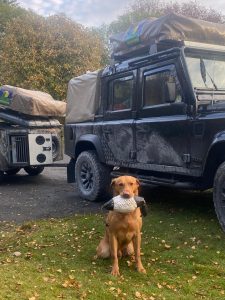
[(71, 171)]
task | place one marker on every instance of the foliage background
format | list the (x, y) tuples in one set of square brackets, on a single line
[(45, 53)]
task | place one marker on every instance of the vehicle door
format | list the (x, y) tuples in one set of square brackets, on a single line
[(118, 124), (162, 127)]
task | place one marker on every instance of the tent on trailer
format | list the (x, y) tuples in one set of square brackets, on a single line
[(34, 103)]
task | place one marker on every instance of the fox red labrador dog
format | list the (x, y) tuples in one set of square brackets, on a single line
[(123, 229)]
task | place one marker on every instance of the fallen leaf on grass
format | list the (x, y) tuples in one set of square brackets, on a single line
[(49, 279), (109, 283), (129, 263), (167, 246), (119, 291), (71, 283), (138, 295), (159, 285), (83, 296), (172, 262), (17, 254), (171, 287), (116, 291), (28, 255), (34, 297)]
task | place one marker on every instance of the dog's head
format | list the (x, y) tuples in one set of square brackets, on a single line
[(125, 186)]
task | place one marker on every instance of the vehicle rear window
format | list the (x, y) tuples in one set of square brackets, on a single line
[(121, 93)]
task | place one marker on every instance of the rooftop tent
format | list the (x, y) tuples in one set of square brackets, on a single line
[(83, 97), (140, 37)]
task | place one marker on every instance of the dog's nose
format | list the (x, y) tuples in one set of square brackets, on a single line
[(126, 194)]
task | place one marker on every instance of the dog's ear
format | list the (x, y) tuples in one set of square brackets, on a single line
[(113, 182), (138, 182)]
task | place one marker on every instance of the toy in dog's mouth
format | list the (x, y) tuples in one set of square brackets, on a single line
[(126, 205)]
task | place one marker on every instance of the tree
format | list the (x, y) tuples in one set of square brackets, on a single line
[(141, 9), (102, 33), (45, 53), (9, 2), (195, 10), (8, 11)]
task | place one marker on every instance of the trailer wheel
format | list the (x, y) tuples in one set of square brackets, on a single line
[(219, 194), (13, 171), (34, 170), (92, 177)]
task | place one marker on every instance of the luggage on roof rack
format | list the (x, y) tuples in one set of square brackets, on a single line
[(138, 39)]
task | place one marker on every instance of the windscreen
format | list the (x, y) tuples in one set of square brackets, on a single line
[(206, 70)]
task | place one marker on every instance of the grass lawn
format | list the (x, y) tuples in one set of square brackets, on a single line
[(183, 253)]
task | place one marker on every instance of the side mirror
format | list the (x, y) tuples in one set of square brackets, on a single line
[(171, 91)]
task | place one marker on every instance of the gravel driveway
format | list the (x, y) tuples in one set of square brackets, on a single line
[(48, 195), (24, 198)]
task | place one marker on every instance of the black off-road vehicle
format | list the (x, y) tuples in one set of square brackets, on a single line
[(159, 116)]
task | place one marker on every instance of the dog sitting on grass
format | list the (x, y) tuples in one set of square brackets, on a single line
[(123, 225)]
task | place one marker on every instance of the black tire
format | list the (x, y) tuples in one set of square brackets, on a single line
[(34, 170), (219, 194), (12, 171), (55, 147), (92, 177)]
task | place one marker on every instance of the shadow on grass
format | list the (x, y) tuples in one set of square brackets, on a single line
[(187, 202)]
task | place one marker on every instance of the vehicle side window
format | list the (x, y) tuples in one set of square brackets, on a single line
[(121, 91), (159, 86)]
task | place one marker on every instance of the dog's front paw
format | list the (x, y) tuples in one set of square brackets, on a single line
[(141, 270), (115, 272)]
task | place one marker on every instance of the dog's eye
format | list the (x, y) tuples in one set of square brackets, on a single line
[(131, 183), (121, 184)]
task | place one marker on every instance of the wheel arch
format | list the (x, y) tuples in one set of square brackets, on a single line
[(215, 157), (89, 142), (84, 143)]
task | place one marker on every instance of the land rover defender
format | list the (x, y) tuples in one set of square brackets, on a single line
[(158, 115)]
